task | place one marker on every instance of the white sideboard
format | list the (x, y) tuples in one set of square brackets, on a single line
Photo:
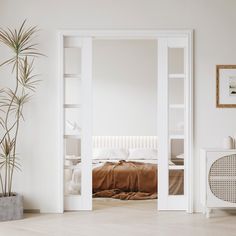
[(218, 179)]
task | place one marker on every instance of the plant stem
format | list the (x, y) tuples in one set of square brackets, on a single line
[(5, 185), (8, 170), (8, 132), (15, 92), (1, 184), (14, 151), (15, 138)]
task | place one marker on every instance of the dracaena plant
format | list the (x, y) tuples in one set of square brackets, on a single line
[(23, 52)]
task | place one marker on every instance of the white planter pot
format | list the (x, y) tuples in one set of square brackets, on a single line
[(11, 208)]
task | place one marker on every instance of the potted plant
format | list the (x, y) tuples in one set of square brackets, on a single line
[(22, 54)]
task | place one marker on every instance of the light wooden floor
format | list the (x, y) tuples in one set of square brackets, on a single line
[(121, 218)]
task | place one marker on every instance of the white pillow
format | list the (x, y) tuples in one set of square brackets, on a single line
[(142, 154), (180, 156), (110, 154)]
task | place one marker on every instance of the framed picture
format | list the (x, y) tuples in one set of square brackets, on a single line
[(226, 86)]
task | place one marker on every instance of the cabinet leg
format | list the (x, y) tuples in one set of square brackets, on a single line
[(208, 212)]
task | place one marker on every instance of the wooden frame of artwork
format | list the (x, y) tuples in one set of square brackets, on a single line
[(226, 86)]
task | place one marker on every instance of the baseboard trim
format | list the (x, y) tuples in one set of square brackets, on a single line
[(34, 211)]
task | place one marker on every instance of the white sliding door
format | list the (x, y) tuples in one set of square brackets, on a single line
[(173, 123), (76, 61)]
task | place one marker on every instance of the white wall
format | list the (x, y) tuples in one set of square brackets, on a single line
[(215, 37), (124, 87)]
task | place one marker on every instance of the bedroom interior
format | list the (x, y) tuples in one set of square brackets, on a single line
[(131, 130)]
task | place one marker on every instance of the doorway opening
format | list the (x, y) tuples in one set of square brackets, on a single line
[(124, 122), (126, 105)]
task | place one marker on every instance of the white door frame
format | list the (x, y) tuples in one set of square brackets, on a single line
[(133, 34)]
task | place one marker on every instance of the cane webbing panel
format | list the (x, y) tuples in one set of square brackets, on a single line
[(222, 178)]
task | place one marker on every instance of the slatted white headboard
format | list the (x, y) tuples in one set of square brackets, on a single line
[(125, 142)]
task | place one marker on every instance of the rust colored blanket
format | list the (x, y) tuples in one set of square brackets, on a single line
[(132, 181)]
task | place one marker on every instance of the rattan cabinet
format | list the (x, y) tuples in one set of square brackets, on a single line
[(218, 179)]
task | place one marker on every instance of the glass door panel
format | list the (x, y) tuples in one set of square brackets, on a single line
[(176, 91), (176, 60), (73, 118), (72, 91), (176, 167), (72, 166), (72, 61), (72, 127), (176, 121)]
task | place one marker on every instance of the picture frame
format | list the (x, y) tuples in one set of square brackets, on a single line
[(226, 86)]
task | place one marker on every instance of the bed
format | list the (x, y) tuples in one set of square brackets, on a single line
[(126, 168)]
